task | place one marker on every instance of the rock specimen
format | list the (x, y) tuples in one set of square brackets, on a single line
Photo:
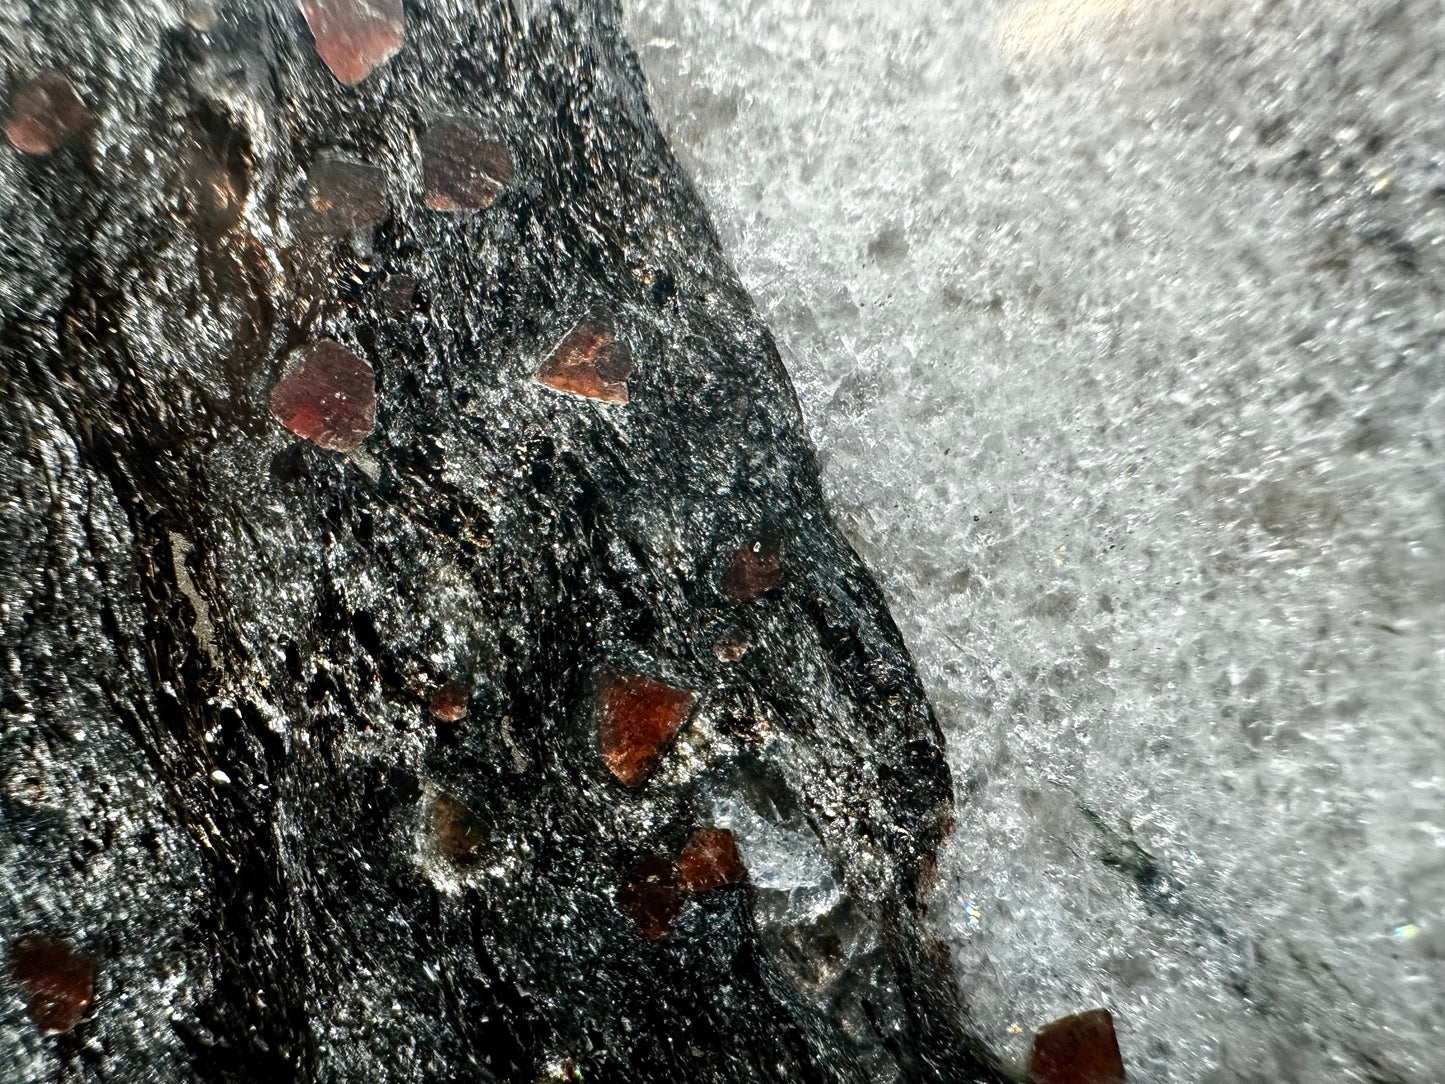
[(231, 758)]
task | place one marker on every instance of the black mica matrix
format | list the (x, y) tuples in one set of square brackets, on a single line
[(314, 591)]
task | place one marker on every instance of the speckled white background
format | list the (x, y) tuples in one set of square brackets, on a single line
[(1119, 328)]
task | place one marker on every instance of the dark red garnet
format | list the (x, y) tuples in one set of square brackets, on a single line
[(1081, 1049), (650, 897), (453, 829), (590, 361), (46, 111), (465, 164), (638, 716), (347, 195), (449, 703), (327, 396), (755, 568), (731, 646), (354, 36), (59, 983), (709, 860)]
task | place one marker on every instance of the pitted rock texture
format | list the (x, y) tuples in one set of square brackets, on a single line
[(300, 707)]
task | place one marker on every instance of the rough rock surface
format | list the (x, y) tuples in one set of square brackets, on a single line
[(1118, 326), (299, 744)]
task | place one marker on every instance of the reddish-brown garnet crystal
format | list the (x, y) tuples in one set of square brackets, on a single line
[(453, 829), (46, 111), (590, 361), (59, 983), (639, 715), (650, 897), (754, 569), (354, 36), (449, 703), (327, 396), (465, 164), (347, 195), (709, 860), (1078, 1049)]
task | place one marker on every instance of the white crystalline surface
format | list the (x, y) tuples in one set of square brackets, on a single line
[(1119, 326)]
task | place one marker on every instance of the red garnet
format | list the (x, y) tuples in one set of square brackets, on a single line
[(59, 983), (354, 36), (639, 715), (347, 195), (328, 397), (590, 361), (1078, 1049), (465, 165), (449, 703), (650, 897), (754, 569), (453, 829), (709, 860), (45, 112)]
